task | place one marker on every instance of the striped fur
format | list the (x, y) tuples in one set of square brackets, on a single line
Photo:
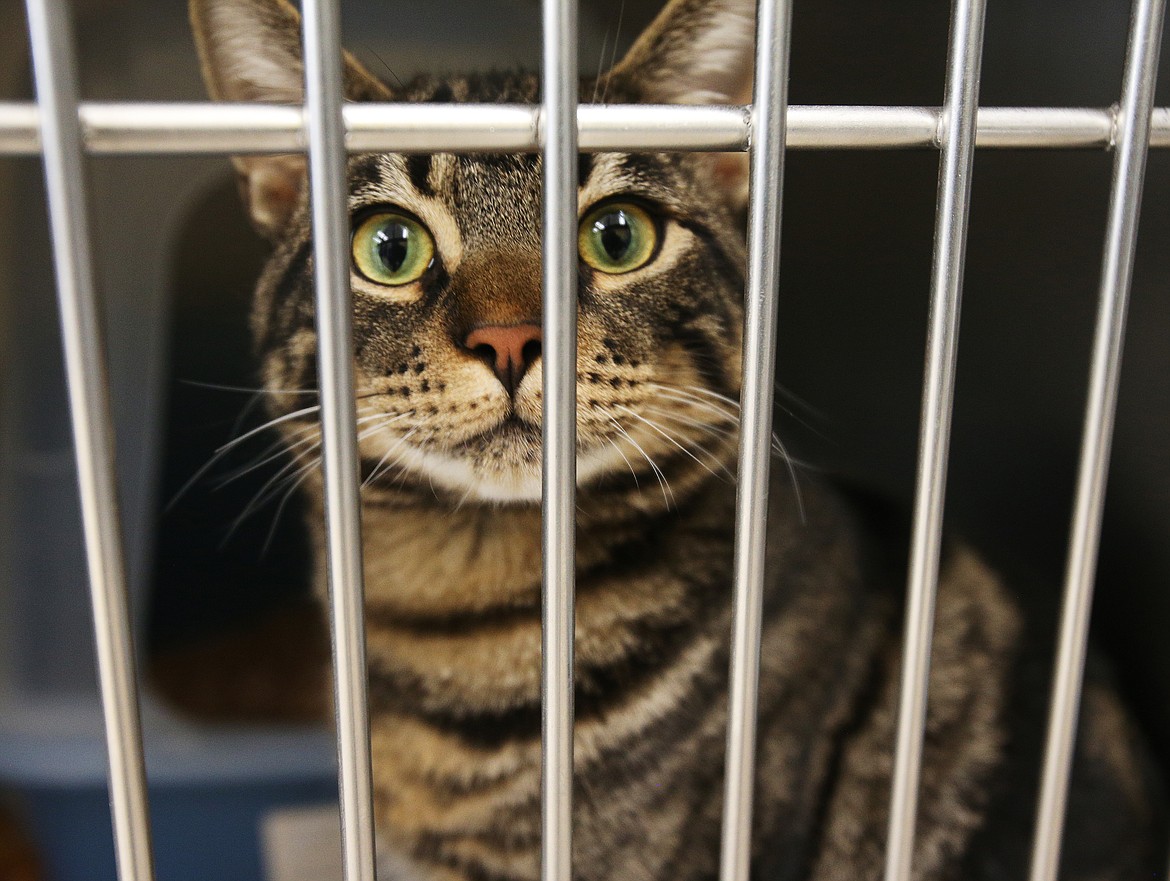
[(451, 520)]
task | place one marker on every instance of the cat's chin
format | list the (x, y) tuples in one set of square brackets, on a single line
[(476, 477)]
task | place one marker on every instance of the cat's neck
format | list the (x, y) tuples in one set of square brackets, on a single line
[(426, 559)]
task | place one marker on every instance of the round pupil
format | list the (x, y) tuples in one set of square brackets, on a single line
[(615, 234), (393, 245)]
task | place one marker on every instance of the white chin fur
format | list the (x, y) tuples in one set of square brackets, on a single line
[(456, 474)]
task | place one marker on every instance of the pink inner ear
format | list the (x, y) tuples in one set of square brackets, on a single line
[(273, 186), (731, 173)]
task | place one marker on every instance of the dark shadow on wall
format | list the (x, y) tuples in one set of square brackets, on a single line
[(232, 634), (855, 272)]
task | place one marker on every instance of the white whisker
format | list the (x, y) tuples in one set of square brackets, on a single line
[(280, 510), (295, 471), (600, 65), (789, 463), (698, 389), (396, 445), (676, 394), (660, 430), (463, 498), (281, 448), (222, 451), (271, 423), (613, 55), (247, 389), (307, 435), (688, 393), (629, 464), (705, 427), (663, 483)]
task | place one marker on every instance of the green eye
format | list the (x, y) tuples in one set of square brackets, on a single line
[(392, 249), (617, 237)]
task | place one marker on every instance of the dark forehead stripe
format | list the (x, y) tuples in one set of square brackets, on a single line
[(418, 166), (654, 168), (365, 169)]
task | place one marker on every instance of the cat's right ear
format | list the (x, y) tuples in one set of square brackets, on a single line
[(250, 50)]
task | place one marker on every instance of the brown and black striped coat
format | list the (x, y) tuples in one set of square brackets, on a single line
[(450, 440)]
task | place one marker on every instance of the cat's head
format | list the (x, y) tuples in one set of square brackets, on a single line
[(446, 272)]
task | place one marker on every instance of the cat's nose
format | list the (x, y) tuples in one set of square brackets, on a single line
[(509, 351)]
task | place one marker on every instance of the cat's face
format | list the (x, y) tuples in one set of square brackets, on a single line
[(446, 281)]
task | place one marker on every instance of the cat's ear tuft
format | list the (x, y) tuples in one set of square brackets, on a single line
[(694, 52), (250, 50)]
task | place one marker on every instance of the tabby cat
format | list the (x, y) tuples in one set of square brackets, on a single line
[(446, 290)]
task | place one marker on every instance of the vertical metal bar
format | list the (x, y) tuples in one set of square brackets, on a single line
[(1129, 168), (93, 436), (957, 133), (559, 481), (329, 192), (769, 118)]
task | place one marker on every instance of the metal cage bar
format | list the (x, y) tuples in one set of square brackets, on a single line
[(329, 191), (194, 128), (766, 188), (1129, 167), (93, 435), (559, 434), (950, 243)]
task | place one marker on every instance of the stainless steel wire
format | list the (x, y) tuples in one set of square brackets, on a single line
[(766, 188), (559, 431), (93, 435), (957, 136), (192, 128), (343, 526), (1129, 166)]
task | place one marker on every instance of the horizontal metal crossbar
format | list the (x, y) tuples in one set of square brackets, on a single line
[(195, 128)]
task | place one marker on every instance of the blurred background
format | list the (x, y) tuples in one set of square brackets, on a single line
[(219, 611)]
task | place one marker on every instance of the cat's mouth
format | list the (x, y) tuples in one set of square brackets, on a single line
[(501, 463), (511, 430)]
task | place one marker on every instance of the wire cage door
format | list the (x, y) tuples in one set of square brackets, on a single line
[(64, 130)]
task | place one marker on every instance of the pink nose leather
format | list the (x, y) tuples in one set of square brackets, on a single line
[(509, 351)]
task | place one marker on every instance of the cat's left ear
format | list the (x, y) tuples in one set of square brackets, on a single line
[(696, 52), (251, 51)]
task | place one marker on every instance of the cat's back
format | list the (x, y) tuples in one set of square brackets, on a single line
[(983, 749)]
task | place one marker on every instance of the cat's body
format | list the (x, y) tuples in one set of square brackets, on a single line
[(455, 704), (447, 359)]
